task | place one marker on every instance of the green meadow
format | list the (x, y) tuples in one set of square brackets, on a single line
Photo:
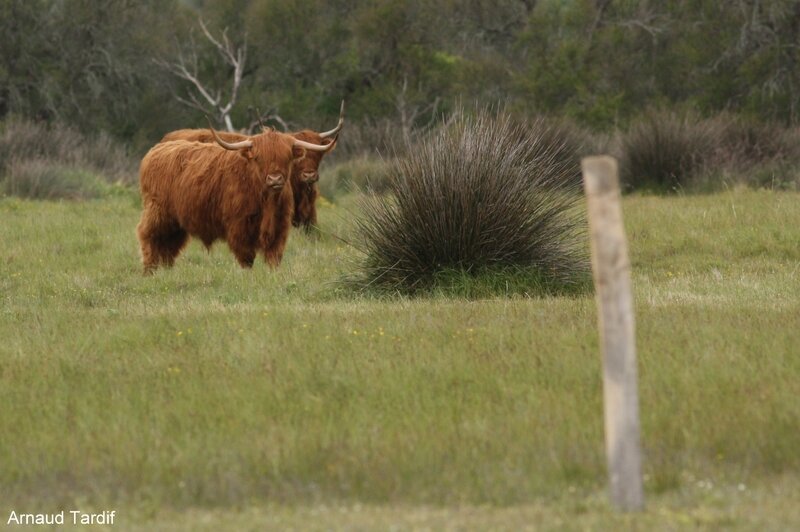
[(207, 397)]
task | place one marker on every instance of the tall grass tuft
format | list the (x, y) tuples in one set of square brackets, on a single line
[(665, 151), (484, 196), (43, 179), (55, 161), (364, 172), (759, 155)]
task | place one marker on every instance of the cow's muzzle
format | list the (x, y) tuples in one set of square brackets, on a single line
[(275, 181), (310, 177)]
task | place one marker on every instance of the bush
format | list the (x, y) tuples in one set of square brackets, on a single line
[(760, 155), (556, 147), (478, 198), (370, 138), (37, 160), (360, 173), (664, 151), (778, 175), (749, 143), (42, 179)]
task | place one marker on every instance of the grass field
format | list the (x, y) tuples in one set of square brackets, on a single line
[(207, 397)]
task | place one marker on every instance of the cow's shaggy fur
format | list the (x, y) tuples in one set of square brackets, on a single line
[(305, 172), (203, 190)]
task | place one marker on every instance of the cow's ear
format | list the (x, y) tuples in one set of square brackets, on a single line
[(247, 153), (298, 153), (333, 143)]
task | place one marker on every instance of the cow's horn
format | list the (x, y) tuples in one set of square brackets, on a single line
[(313, 147), (338, 126), (229, 145)]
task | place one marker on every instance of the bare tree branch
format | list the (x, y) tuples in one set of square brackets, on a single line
[(409, 114), (187, 70), (270, 116)]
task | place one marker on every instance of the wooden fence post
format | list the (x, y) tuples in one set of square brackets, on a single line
[(612, 279)]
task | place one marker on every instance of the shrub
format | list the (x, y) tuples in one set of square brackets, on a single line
[(664, 151), (37, 160), (480, 197), (760, 155), (746, 142), (556, 149), (370, 138), (778, 175), (359, 173), (43, 179)]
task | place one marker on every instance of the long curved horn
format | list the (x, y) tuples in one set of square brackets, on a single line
[(242, 144), (313, 147), (338, 126)]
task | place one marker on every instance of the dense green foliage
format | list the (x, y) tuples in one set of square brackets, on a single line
[(398, 62)]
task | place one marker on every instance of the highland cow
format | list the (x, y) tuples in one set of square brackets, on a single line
[(305, 172), (234, 191)]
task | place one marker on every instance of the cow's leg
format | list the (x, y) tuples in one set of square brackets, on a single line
[(160, 237), (146, 231), (241, 237), (311, 222), (245, 256), (274, 242), (273, 251), (310, 225), (276, 223), (171, 244)]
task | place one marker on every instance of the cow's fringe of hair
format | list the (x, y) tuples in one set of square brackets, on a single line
[(305, 194), (203, 190)]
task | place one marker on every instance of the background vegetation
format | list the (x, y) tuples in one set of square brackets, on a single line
[(601, 62), (604, 70)]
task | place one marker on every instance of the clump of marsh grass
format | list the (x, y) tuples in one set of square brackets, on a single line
[(51, 161), (364, 172), (43, 179), (756, 154), (669, 151), (665, 151), (482, 197)]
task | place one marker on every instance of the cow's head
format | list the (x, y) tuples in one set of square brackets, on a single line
[(306, 170), (271, 155)]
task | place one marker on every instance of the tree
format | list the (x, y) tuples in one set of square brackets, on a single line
[(201, 96)]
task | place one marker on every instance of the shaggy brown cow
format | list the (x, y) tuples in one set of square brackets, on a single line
[(236, 191), (305, 173)]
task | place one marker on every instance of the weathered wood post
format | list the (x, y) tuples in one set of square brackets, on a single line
[(612, 279)]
